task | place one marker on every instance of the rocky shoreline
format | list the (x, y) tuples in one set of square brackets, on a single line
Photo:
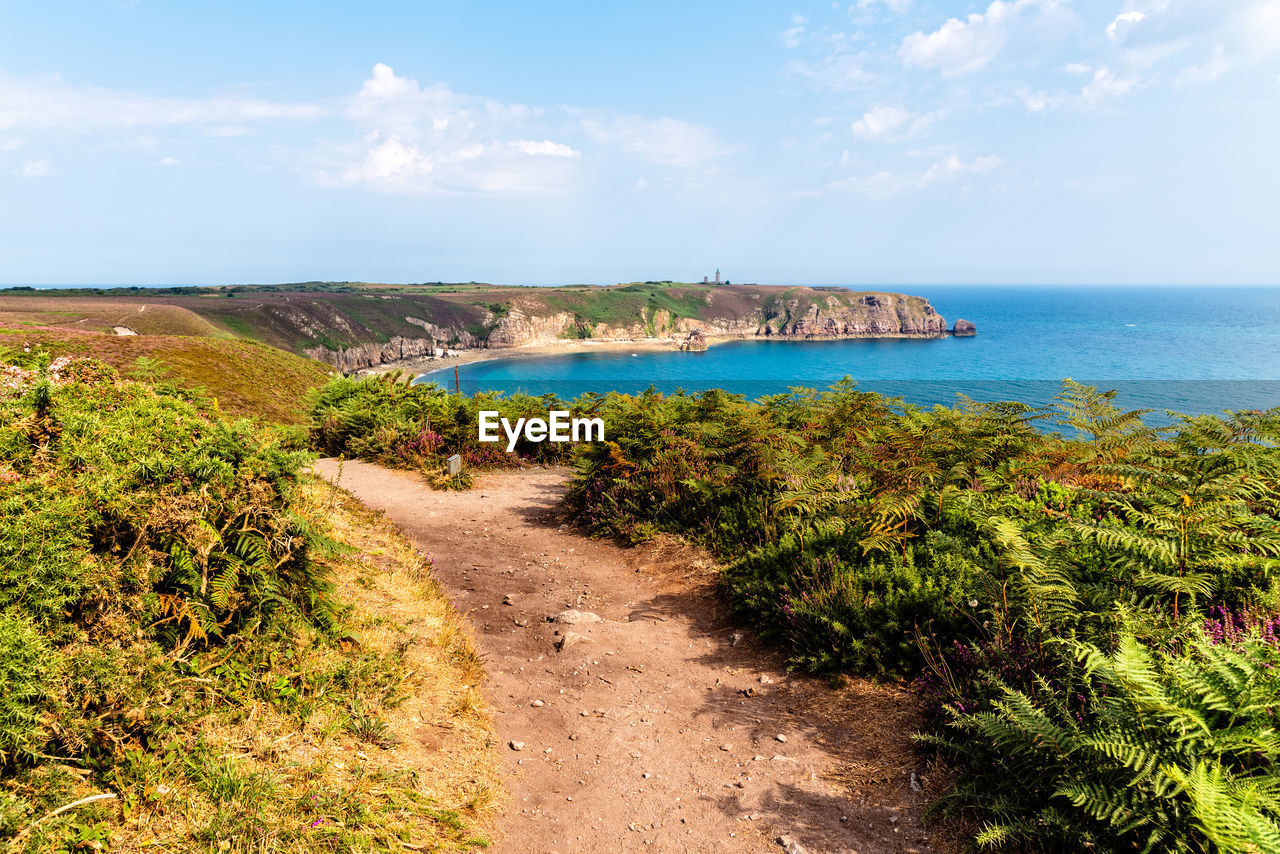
[(694, 342), (528, 326)]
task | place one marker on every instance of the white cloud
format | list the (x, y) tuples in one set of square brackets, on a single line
[(969, 45), (836, 73), (1193, 75), (49, 103), (33, 169), (390, 162), (887, 183), (169, 161), (889, 123), (791, 37), (545, 147), (895, 6), (1258, 27), (1123, 23), (1106, 84), (666, 141), (430, 139), (958, 47)]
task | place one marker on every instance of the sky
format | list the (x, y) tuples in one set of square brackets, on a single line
[(865, 142)]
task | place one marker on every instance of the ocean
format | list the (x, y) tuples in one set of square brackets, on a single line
[(1194, 350)]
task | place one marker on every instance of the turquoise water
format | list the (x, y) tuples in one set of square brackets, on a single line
[(1191, 349)]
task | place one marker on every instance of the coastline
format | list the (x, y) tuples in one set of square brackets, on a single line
[(422, 367)]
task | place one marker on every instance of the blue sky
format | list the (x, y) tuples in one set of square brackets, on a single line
[(869, 142)]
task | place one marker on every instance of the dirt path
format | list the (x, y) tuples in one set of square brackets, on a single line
[(661, 727)]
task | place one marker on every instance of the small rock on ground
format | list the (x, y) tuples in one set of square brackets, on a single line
[(571, 639), (573, 617), (790, 845)]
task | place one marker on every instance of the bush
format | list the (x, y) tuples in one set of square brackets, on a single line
[(838, 610), (386, 420)]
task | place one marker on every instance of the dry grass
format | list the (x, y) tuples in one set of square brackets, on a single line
[(101, 314), (246, 378), (390, 746)]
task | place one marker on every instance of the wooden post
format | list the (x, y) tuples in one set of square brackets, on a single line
[(457, 383)]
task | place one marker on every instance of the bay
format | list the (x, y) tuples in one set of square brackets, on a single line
[(1191, 349)]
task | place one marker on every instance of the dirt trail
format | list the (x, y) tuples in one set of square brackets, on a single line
[(666, 728)]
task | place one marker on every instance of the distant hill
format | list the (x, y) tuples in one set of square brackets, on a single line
[(353, 324)]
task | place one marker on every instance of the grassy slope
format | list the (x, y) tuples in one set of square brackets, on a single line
[(381, 742), (100, 314), (389, 748), (246, 377)]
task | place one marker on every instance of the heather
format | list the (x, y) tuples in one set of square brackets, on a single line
[(1085, 604)]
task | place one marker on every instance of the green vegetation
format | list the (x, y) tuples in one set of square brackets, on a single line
[(632, 304), (386, 420), (1090, 618), (178, 663), (1091, 623), (243, 377)]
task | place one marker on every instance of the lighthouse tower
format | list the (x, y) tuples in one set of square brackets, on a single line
[(717, 275)]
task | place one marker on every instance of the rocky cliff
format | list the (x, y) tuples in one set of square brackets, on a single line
[(372, 355), (369, 326), (804, 314)]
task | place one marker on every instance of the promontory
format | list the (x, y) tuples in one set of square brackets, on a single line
[(355, 325)]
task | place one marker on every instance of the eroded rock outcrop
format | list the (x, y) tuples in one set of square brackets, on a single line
[(372, 355), (870, 316), (964, 328), (696, 342), (522, 325)]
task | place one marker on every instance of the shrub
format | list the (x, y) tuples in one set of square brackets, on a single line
[(138, 532), (838, 609), (386, 420)]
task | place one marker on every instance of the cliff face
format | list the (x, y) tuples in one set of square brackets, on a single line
[(523, 325), (371, 355), (870, 316), (828, 316)]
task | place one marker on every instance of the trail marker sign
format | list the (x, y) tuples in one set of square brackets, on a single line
[(455, 465)]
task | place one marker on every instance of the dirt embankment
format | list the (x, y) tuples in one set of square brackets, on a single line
[(660, 725)]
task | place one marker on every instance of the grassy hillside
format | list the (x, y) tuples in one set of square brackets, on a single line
[(204, 649), (101, 314), (246, 378)]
